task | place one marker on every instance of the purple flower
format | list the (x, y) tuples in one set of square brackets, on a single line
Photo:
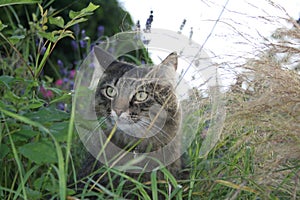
[(149, 21), (83, 35), (71, 86), (60, 63), (42, 51), (63, 72), (138, 25), (59, 82), (65, 80), (100, 31), (37, 41), (82, 43), (72, 73), (146, 42), (92, 46), (46, 93), (61, 106), (76, 29), (191, 33), (74, 45)]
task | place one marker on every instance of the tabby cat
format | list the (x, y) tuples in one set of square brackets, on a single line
[(141, 103)]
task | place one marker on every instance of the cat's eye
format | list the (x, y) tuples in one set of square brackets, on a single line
[(110, 92), (141, 96)]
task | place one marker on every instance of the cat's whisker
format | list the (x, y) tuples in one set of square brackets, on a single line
[(155, 128), (99, 125), (144, 126), (158, 140), (163, 108), (151, 125)]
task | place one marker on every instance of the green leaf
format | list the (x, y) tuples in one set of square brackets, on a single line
[(57, 91), (24, 134), (12, 2), (33, 194), (4, 150), (33, 104), (58, 21), (41, 9), (46, 183), (39, 152), (74, 14), (8, 107), (65, 97), (84, 12), (91, 7), (16, 38), (49, 184), (9, 95), (77, 21), (64, 33), (60, 131), (49, 36), (67, 33), (24, 119), (13, 97), (31, 85), (48, 115), (6, 80), (2, 26)]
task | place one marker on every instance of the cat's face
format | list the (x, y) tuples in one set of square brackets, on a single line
[(139, 100)]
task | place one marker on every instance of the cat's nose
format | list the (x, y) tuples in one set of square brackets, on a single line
[(118, 112)]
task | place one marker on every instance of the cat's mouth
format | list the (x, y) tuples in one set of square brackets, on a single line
[(123, 118), (122, 121), (126, 123), (133, 126)]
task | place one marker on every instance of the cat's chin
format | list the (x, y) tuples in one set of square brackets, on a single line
[(123, 122), (131, 128)]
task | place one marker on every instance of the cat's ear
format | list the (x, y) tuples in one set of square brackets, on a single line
[(103, 57), (165, 72), (100, 60), (171, 60)]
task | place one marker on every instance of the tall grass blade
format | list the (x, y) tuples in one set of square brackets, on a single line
[(19, 164), (44, 59), (154, 185), (13, 2)]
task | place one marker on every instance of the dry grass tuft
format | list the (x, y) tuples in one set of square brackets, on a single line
[(263, 112)]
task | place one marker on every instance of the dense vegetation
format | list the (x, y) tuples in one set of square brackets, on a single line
[(41, 46)]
